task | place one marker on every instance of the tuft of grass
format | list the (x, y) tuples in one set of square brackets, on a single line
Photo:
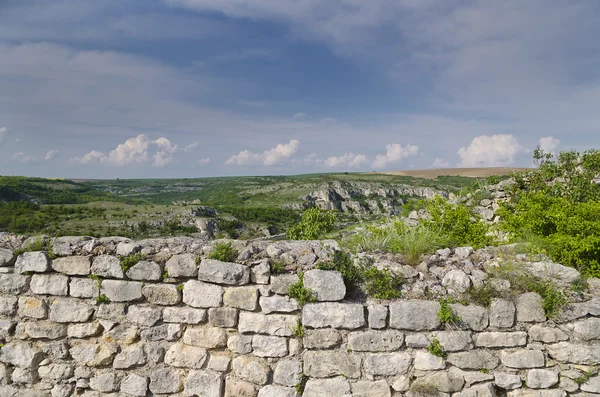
[(299, 292), (579, 285), (130, 260), (224, 252), (435, 348), (483, 295), (277, 266), (584, 377), (102, 299), (423, 389), (97, 278), (165, 273), (299, 387), (413, 242), (445, 314), (382, 284), (179, 287), (298, 330)]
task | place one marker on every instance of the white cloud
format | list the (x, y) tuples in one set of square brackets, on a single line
[(394, 153), (548, 144), (132, 151), (3, 133), (204, 161), (190, 147), (269, 157), (350, 160), (490, 151), (299, 115), (50, 154), (23, 158), (439, 163)]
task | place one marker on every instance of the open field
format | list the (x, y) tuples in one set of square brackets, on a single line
[(466, 172)]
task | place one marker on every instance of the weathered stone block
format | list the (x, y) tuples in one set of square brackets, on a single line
[(524, 359), (8, 305), (168, 332), (541, 378), (34, 262), (402, 315), (239, 388), (367, 388), (144, 316), (502, 313), (425, 361), (134, 385), (588, 329), (83, 288), (107, 266), (270, 324), (276, 391), (336, 387), (260, 274), (224, 317), (377, 315), (375, 341), (208, 337), (507, 381), (474, 359), (445, 381), (482, 390), (327, 285), (334, 315), (86, 330), (325, 364), (49, 284), (68, 310), (278, 304), (204, 383), (22, 355), (94, 355), (121, 291), (161, 294), (456, 280), (72, 265), (387, 364), (214, 271), (165, 381), (529, 308), (252, 369), (240, 344), (183, 315), (203, 295), (106, 382), (281, 283), (321, 339), (183, 265), (471, 316), (185, 356), (575, 353), (14, 284), (241, 297), (45, 330), (501, 339), (288, 372), (145, 271), (547, 334), (269, 346), (129, 357), (7, 257), (453, 341), (219, 362)]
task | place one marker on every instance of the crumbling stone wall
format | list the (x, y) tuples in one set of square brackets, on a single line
[(210, 328)]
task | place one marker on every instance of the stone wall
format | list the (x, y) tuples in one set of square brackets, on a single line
[(179, 324)]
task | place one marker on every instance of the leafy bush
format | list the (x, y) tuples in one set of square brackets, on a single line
[(314, 224), (445, 314), (302, 294), (224, 252), (436, 348), (130, 260), (277, 266)]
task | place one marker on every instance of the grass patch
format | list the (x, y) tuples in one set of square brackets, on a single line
[(102, 299), (445, 313), (298, 330), (585, 377), (483, 295), (127, 262), (277, 266), (435, 348), (224, 252), (302, 294)]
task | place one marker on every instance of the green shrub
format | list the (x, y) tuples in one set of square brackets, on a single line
[(343, 263), (483, 295), (382, 284), (302, 294), (435, 348), (445, 313), (224, 252), (553, 298), (102, 299), (130, 260), (413, 242), (277, 266), (314, 224), (298, 330)]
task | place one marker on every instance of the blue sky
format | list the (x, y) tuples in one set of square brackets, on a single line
[(192, 88)]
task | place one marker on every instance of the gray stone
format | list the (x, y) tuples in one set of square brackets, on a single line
[(456, 280), (85, 330), (209, 337), (588, 329), (425, 361), (269, 346), (127, 248), (270, 324), (55, 372), (501, 339), (327, 285), (507, 381), (474, 359), (214, 271), (13, 284), (6, 328), (45, 330), (129, 357), (204, 383), (453, 341), (8, 305), (524, 359), (281, 283), (32, 307), (121, 291), (183, 265), (366, 388), (62, 390), (165, 381), (277, 391), (592, 385), (463, 252), (529, 308), (107, 382), (134, 385), (334, 315), (563, 275), (321, 339), (145, 271), (144, 316), (124, 333), (68, 310), (417, 341), (34, 262), (107, 266), (277, 304), (94, 355), (203, 295), (541, 378), (288, 372), (401, 383), (575, 353), (336, 387), (386, 364), (483, 390), (444, 381), (240, 344), (377, 316), (375, 341), (239, 388), (22, 355), (49, 284), (260, 274), (241, 297), (471, 316), (6, 257), (168, 332), (325, 364), (83, 288), (183, 315), (185, 356), (72, 265), (402, 315), (111, 311), (502, 314), (547, 334), (224, 317), (161, 294), (252, 369), (219, 362)]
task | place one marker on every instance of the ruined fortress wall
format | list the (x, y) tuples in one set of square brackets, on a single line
[(179, 324)]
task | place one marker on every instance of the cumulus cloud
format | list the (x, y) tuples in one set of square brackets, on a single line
[(269, 157), (548, 144), (204, 161), (350, 160), (23, 158), (50, 154), (439, 163), (394, 153), (134, 150), (299, 115), (490, 151), (3, 133)]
